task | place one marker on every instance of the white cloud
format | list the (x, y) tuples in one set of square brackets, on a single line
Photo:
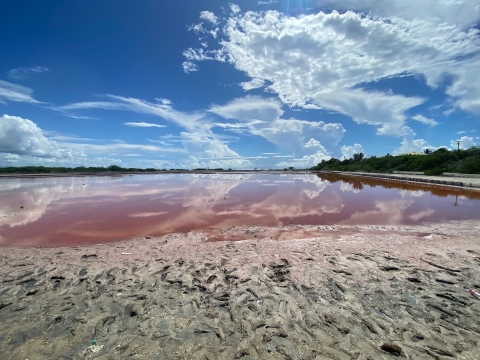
[(293, 134), (262, 117), (374, 108), (424, 120), (252, 84), (22, 137), (448, 112), (119, 148), (164, 143), (249, 108), (211, 149), (16, 93), (466, 143), (461, 132), (189, 66), (327, 60), (197, 28), (189, 121), (307, 160), (21, 73), (143, 124), (209, 16), (465, 87), (59, 137), (460, 13), (235, 8), (196, 55), (205, 148), (313, 143), (410, 144), (348, 151), (164, 101)]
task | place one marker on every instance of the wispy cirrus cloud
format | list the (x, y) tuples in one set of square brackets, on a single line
[(143, 124), (16, 93), (189, 121), (23, 72), (425, 120), (198, 140)]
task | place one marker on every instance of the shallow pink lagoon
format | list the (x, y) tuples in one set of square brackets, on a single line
[(83, 210)]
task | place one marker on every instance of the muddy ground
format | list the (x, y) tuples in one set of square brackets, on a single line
[(297, 292)]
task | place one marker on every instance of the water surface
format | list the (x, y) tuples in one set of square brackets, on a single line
[(83, 210)]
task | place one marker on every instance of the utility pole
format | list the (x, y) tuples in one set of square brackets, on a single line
[(458, 143)]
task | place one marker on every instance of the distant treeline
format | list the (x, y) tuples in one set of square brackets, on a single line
[(80, 169), (431, 162), (83, 169)]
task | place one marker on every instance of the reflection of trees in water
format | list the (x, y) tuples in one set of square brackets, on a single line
[(388, 184)]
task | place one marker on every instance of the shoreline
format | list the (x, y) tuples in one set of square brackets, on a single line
[(160, 172), (455, 181), (336, 292)]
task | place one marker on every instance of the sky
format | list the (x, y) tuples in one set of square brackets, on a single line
[(247, 84)]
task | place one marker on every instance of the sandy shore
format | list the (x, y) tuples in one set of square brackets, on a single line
[(297, 292)]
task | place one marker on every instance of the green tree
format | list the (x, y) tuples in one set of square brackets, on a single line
[(358, 157)]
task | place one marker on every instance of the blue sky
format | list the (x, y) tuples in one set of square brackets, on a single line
[(264, 84)]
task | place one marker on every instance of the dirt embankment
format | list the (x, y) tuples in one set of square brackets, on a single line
[(282, 293)]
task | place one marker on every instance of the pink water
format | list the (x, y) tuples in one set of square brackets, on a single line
[(84, 210)]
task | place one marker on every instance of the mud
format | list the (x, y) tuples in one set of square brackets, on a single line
[(295, 292)]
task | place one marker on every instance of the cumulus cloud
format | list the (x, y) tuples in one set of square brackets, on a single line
[(466, 143), (387, 111), (348, 151), (189, 67), (308, 140), (209, 16), (21, 73), (205, 145), (307, 160), (21, 137), (313, 143), (328, 60), (16, 93), (143, 124), (410, 144), (235, 8), (424, 120), (460, 13)]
